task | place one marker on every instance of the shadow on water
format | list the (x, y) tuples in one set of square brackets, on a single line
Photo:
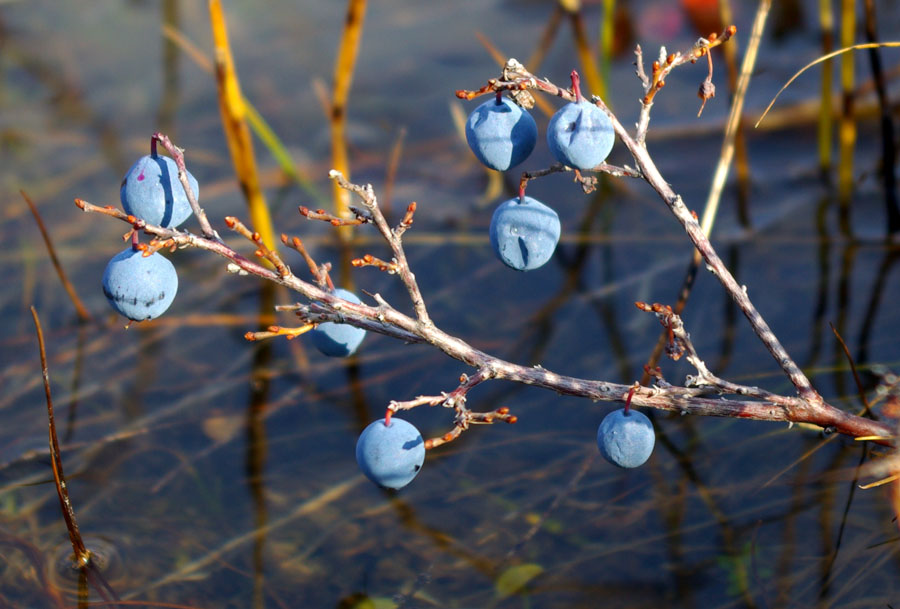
[(214, 472)]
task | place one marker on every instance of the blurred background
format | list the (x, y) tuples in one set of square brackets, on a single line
[(207, 471)]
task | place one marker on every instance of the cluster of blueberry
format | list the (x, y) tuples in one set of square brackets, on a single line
[(142, 287), (524, 232)]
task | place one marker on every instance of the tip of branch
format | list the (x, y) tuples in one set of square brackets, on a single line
[(334, 174)]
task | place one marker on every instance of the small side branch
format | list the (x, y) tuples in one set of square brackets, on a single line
[(393, 237), (177, 155)]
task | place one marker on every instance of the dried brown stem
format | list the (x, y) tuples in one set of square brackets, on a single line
[(82, 556), (80, 309)]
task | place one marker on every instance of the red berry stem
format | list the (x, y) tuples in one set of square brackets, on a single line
[(576, 87), (153, 140), (387, 417), (628, 400), (499, 97)]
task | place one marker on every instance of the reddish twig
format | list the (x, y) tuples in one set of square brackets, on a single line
[(319, 272), (324, 216), (177, 155), (261, 250)]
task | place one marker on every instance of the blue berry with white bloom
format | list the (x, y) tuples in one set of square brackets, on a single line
[(338, 340), (580, 134), (390, 454), (524, 233), (140, 287), (625, 438), (152, 192), (501, 133)]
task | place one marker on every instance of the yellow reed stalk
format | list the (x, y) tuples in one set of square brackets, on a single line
[(734, 120), (589, 68), (825, 126), (847, 125), (607, 39), (237, 133), (344, 66)]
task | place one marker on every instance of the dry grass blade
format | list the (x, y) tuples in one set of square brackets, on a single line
[(734, 118), (82, 556), (855, 47), (234, 121), (82, 311), (859, 385)]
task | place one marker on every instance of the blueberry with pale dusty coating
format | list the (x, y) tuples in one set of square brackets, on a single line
[(152, 192), (524, 233), (390, 454), (580, 134), (338, 340), (625, 438), (140, 287), (501, 134)]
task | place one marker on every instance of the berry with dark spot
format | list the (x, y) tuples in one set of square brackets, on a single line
[(152, 192), (140, 287), (390, 455)]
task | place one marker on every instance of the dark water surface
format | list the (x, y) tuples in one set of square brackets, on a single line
[(210, 472)]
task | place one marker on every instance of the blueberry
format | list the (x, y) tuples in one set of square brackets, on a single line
[(139, 287), (152, 192), (524, 233), (501, 133), (390, 455), (338, 340), (580, 135), (626, 439)]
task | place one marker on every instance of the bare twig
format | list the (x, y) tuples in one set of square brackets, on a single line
[(385, 319), (177, 155), (393, 237)]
